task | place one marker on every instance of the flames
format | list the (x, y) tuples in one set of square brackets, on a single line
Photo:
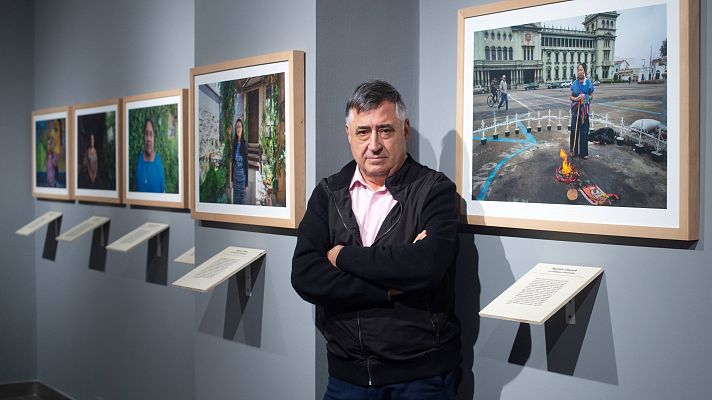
[(566, 173), (565, 165)]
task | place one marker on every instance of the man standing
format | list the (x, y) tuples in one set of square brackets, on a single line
[(376, 254), (504, 98)]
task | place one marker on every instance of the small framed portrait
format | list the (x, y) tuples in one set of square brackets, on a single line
[(580, 117), (97, 175), (247, 140), (154, 148), (50, 150)]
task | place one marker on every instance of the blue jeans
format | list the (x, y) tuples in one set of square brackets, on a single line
[(503, 98), (440, 387)]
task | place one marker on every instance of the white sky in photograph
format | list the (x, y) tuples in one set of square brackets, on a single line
[(637, 29)]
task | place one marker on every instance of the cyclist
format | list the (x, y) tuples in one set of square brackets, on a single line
[(493, 89)]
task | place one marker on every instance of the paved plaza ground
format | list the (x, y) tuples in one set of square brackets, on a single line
[(521, 168)]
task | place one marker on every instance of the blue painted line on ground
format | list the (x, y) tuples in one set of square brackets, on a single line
[(485, 188), (523, 130), (509, 140), (530, 141)]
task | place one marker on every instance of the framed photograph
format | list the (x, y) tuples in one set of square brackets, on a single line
[(50, 149), (247, 140), (579, 116), (97, 175), (154, 148)]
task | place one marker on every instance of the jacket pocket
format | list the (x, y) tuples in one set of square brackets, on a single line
[(433, 321)]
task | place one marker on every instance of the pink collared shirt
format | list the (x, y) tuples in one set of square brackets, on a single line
[(369, 206)]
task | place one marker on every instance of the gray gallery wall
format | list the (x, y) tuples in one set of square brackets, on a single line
[(648, 336), (112, 334), (17, 273), (261, 347), (348, 54)]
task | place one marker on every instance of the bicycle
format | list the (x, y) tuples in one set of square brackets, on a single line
[(492, 99)]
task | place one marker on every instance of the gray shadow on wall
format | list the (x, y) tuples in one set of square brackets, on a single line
[(49, 250), (99, 240), (504, 342), (157, 258), (412, 144), (231, 314), (565, 353), (467, 282), (488, 383), (585, 349), (467, 306), (564, 342)]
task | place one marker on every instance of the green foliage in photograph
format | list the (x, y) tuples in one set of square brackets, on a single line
[(41, 146), (246, 123), (272, 147), (213, 189), (107, 153), (227, 114), (166, 136)]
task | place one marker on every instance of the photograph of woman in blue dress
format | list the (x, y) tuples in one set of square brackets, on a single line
[(239, 165), (581, 96), (149, 168)]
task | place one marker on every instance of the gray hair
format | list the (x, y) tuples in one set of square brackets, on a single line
[(369, 95)]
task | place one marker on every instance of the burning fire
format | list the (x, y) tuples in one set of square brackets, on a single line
[(565, 165), (566, 173)]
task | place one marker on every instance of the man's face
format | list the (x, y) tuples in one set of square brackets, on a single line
[(148, 138), (378, 141)]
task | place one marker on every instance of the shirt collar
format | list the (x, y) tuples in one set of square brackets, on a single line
[(358, 179)]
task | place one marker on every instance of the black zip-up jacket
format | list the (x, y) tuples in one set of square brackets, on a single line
[(374, 340)]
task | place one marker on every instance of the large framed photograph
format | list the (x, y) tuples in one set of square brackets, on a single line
[(247, 140), (154, 148), (97, 175), (50, 153), (579, 116)]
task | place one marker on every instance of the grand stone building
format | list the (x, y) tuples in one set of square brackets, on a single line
[(536, 53)]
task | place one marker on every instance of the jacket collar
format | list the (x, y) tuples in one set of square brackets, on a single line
[(342, 179)]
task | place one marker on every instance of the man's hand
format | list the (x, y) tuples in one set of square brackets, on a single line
[(422, 235), (333, 253)]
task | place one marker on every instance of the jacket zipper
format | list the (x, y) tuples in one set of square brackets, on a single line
[(436, 327), (358, 315), (338, 211), (400, 214), (360, 342)]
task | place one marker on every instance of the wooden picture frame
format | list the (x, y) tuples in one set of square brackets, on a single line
[(512, 181), (266, 94), (51, 132), (97, 173), (162, 181)]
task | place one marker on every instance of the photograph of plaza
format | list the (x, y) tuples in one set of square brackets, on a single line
[(523, 131)]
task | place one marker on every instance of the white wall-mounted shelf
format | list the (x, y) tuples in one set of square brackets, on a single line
[(541, 292), (38, 223), (218, 268)]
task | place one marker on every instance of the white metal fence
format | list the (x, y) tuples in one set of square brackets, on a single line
[(656, 140)]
